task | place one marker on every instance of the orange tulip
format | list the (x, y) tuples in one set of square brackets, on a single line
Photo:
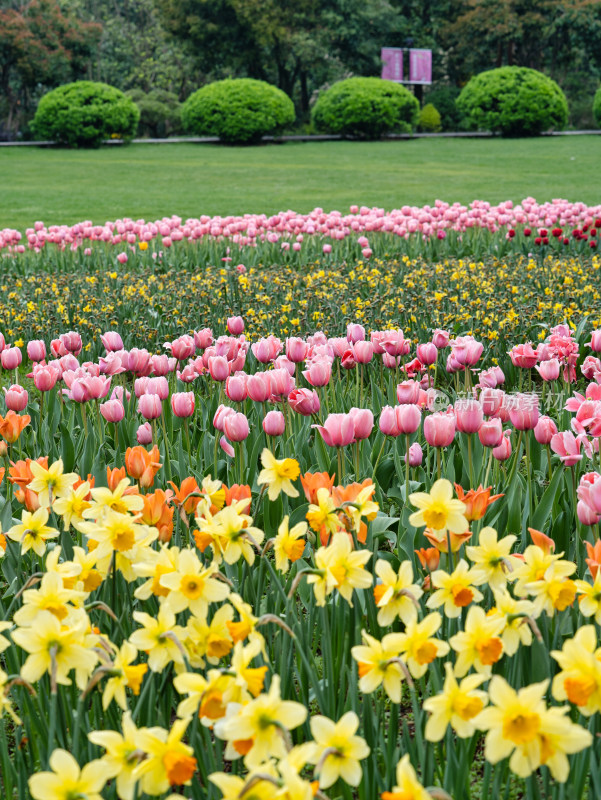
[(546, 544), (429, 558), (12, 425), (142, 465), (158, 513), (312, 481), (442, 544), (3, 448), (476, 501), (182, 495), (2, 471), (20, 475), (91, 480), (2, 543), (235, 493), (594, 557), (113, 476)]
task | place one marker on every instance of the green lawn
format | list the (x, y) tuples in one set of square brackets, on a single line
[(150, 181)]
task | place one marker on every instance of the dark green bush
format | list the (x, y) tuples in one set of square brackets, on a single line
[(241, 110), (597, 107), (443, 98), (365, 108), (515, 101), (429, 119), (84, 113), (160, 112)]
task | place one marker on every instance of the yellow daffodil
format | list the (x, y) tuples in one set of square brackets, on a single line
[(322, 515), (161, 638), (32, 532), (122, 500), (378, 664), (169, 762), (407, 785), (191, 585), (278, 475), (555, 591), (4, 642), (418, 646), (67, 781), (51, 596), (71, 506), (438, 510), (206, 696), (289, 544), (117, 532), (123, 675), (122, 755), (153, 566), (456, 590), (589, 597), (362, 506), (515, 614), (457, 705), (479, 644), (211, 640), (50, 483), (343, 567), (535, 563), (338, 750), (580, 678), (491, 558), (395, 593)]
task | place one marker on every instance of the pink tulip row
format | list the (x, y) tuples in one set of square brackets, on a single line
[(290, 228)]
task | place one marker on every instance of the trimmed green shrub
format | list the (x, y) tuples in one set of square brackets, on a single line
[(84, 113), (365, 108), (443, 98), (160, 112), (429, 119), (240, 110), (515, 101), (597, 107)]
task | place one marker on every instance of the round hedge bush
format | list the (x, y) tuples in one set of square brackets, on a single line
[(365, 108), (515, 101), (597, 107), (237, 110), (84, 113), (429, 119), (160, 112)]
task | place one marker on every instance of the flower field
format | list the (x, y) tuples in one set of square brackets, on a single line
[(293, 522)]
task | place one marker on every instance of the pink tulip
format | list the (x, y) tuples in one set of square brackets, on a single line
[(203, 338), (182, 404), (407, 392), (112, 341), (220, 415), (363, 422), (235, 325), (57, 348), (589, 491), (282, 362), (440, 338), (427, 353), (282, 383), (545, 430), (138, 361), (394, 343), (97, 387), (16, 398), (235, 388), (274, 423), (416, 455), (491, 401), (183, 347), (11, 357), (219, 368), (36, 350), (45, 378), (523, 411), (595, 342), (112, 410), (523, 355), (72, 342), (549, 370), (467, 351), (376, 339), (591, 367), (296, 349), (236, 427), (408, 418), (490, 432), (363, 352), (347, 361), (226, 447), (318, 372), (338, 430), (439, 429), (113, 364), (158, 386), (258, 387), (79, 391), (468, 415), (266, 350), (2, 342), (150, 406), (567, 447), (160, 366), (388, 423), (503, 451), (355, 332), (144, 434), (586, 515), (140, 385), (304, 401), (122, 259)]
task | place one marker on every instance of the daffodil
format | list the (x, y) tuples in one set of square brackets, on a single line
[(71, 506), (231, 533), (51, 596), (32, 532), (343, 567), (193, 586), (169, 761), (438, 510), (123, 675), (456, 590), (362, 506), (457, 705), (123, 499), (516, 614), (589, 597), (407, 785), (479, 644), (378, 664), (122, 755), (555, 591), (4, 642), (491, 558), (161, 638), (67, 781), (338, 750), (395, 593), (289, 544), (535, 563), (418, 646), (322, 515), (278, 475), (206, 695), (50, 483), (579, 680), (6, 705), (212, 640), (117, 533)]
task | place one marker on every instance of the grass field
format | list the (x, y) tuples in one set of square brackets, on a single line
[(150, 181)]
